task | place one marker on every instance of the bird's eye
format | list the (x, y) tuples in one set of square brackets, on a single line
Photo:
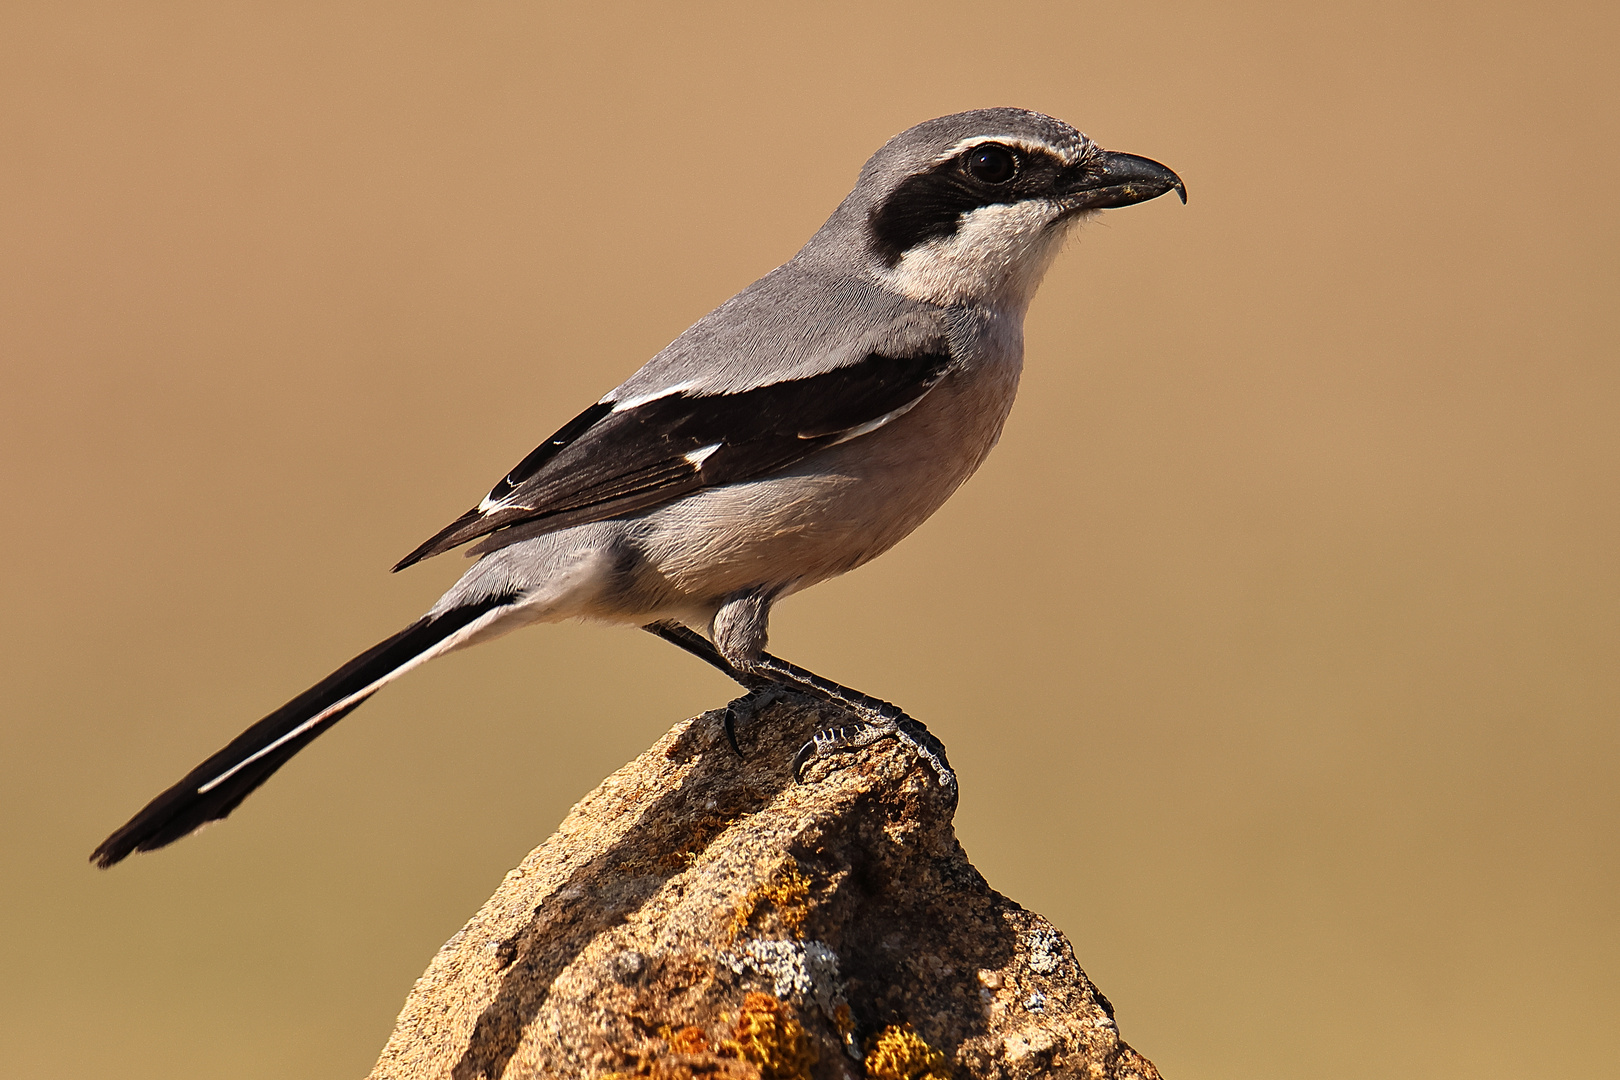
[(991, 163)]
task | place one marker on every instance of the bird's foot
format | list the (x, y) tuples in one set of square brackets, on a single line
[(743, 710), (886, 723)]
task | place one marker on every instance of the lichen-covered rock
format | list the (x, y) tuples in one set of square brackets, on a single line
[(701, 916)]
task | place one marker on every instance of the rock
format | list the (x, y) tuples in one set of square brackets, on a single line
[(701, 916)]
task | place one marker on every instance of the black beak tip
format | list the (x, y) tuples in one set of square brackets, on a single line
[(1109, 179)]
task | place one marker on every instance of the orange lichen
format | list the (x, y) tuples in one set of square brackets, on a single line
[(771, 1039), (788, 893), (899, 1053), (767, 1042)]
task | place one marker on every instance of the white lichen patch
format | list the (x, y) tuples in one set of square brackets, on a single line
[(1045, 951), (805, 971)]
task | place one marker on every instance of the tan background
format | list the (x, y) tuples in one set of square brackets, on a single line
[(1276, 645)]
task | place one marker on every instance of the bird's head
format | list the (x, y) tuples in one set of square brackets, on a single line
[(972, 207)]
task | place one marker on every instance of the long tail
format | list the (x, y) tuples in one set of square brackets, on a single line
[(214, 788)]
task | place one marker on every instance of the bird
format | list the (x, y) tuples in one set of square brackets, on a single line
[(797, 431)]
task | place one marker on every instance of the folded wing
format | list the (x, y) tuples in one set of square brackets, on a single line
[(629, 456)]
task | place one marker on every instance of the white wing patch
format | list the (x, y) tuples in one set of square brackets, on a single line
[(486, 504), (642, 399), (701, 454), (872, 425)]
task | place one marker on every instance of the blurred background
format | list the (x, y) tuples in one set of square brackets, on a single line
[(1290, 595)]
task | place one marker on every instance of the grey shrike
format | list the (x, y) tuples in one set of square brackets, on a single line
[(798, 430)]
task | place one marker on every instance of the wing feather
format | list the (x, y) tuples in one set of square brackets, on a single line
[(610, 461)]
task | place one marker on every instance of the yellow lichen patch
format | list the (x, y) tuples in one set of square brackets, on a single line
[(688, 1040), (899, 1053), (769, 1038), (767, 1042), (788, 893)]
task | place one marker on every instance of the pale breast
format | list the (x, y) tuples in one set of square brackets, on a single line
[(843, 506)]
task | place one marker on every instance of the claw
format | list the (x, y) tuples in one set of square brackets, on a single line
[(801, 759), (847, 737), (828, 741), (839, 740), (741, 710)]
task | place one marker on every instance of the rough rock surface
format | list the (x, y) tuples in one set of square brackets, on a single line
[(700, 916)]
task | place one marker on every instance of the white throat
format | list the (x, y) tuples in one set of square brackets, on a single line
[(997, 257)]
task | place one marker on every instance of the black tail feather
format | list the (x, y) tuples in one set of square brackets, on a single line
[(215, 788)]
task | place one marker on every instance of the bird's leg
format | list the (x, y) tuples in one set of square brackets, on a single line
[(761, 690), (739, 632), (767, 674), (874, 719)]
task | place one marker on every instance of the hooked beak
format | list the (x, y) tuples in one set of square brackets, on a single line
[(1107, 179)]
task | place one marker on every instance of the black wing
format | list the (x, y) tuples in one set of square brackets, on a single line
[(605, 463)]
